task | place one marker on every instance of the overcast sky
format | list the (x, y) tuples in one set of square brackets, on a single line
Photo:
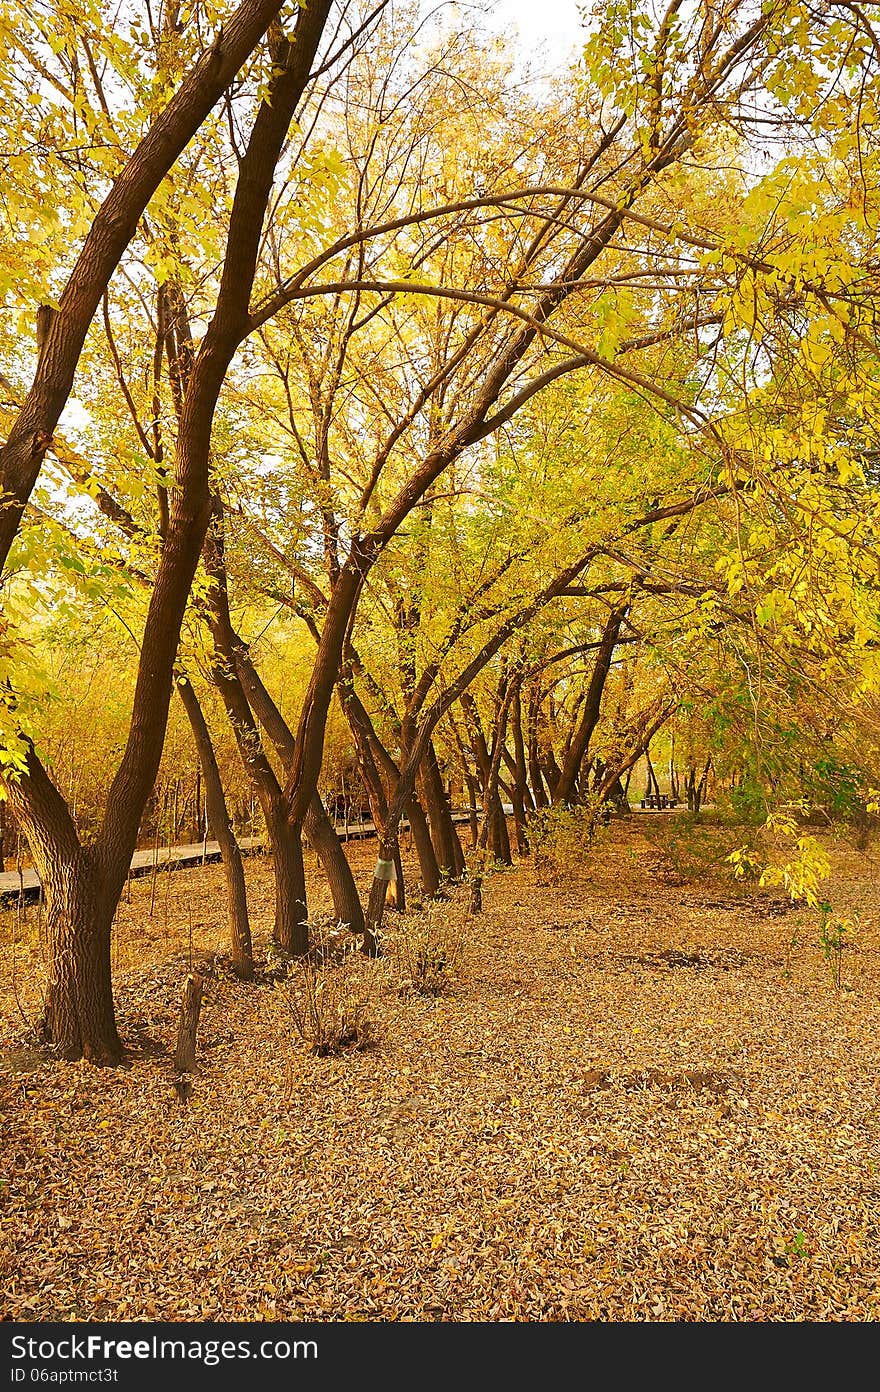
[(553, 23), (551, 26)]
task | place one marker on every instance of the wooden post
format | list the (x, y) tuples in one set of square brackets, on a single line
[(190, 1009)]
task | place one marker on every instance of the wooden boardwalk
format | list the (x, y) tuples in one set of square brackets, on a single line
[(26, 886)]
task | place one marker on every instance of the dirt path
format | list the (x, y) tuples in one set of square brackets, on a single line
[(643, 1100)]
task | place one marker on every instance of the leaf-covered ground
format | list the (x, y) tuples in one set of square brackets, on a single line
[(644, 1099)]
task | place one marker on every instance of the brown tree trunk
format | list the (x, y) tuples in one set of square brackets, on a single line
[(220, 825), (373, 761), (290, 930), (473, 815), (79, 1019), (499, 837), (497, 843), (334, 862), (492, 838), (522, 798), (188, 1024), (537, 778), (85, 886), (317, 825), (550, 769), (564, 790), (429, 870), (444, 836)]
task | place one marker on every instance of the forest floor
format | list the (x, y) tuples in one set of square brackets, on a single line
[(642, 1097)]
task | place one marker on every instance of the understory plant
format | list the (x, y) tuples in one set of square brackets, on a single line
[(835, 934), (430, 949), (561, 839), (330, 993), (800, 867)]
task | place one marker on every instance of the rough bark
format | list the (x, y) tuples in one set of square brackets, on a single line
[(539, 793), (375, 760), (84, 889), (522, 799), (188, 1024), (498, 839), (290, 929), (78, 1017), (489, 833)]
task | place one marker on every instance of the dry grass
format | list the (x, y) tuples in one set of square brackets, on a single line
[(429, 947), (330, 994), (645, 1100)]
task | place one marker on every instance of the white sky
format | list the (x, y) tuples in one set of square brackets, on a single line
[(550, 24), (548, 30)]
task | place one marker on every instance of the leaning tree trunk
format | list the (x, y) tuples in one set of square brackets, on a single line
[(499, 837), (317, 825), (444, 836), (78, 1016), (518, 803), (322, 836), (497, 842), (522, 798), (563, 792), (429, 870), (489, 841), (220, 825), (382, 877)]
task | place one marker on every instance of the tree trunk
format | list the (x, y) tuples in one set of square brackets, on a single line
[(429, 870), (473, 816), (188, 1024), (317, 825), (396, 898), (537, 778), (444, 837), (574, 755), (79, 1019), (220, 825), (496, 841), (499, 837), (522, 799), (493, 834), (334, 862), (290, 930), (551, 770), (653, 785)]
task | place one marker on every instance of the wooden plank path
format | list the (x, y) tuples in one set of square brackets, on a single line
[(26, 886)]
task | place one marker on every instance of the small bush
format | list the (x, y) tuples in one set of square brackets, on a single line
[(330, 993), (836, 933), (430, 949), (692, 848), (561, 838)]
